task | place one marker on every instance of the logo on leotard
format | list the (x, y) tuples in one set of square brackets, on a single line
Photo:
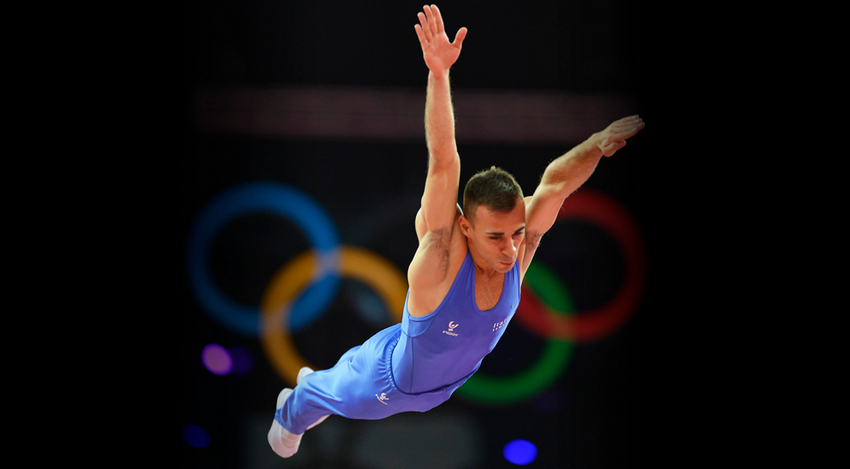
[(451, 331), (383, 399)]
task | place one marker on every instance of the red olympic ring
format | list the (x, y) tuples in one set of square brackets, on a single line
[(594, 324)]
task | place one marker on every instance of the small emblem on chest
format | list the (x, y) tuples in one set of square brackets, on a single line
[(451, 330)]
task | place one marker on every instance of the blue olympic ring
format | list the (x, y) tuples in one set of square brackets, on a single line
[(257, 197)]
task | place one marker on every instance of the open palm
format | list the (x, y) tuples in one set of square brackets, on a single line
[(439, 53)]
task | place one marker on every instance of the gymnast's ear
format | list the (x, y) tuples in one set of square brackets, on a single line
[(465, 226)]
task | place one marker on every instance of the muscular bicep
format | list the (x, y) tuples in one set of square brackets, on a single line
[(542, 208), (422, 227), (541, 211), (439, 200)]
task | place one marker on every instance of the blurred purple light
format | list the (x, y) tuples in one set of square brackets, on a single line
[(216, 359)]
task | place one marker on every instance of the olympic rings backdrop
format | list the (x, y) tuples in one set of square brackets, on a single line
[(303, 288)]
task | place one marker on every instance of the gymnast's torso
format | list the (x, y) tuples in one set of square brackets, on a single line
[(449, 344)]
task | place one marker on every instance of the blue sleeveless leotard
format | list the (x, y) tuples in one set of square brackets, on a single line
[(412, 366)]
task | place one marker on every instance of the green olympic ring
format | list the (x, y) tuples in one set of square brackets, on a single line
[(510, 389)]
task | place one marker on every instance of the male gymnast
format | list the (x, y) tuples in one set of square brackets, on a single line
[(464, 279)]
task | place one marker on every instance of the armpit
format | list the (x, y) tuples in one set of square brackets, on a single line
[(439, 244), (532, 240)]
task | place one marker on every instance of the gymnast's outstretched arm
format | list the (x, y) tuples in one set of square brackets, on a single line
[(441, 185), (564, 175), (438, 214)]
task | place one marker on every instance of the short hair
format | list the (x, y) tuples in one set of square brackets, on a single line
[(494, 188)]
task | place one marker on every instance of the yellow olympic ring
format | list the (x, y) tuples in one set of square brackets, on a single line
[(290, 281)]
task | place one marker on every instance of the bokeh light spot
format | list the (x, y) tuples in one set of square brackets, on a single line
[(196, 436), (216, 359), (520, 452)]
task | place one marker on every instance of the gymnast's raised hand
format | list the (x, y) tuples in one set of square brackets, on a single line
[(439, 53)]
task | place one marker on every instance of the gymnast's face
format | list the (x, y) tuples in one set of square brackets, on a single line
[(494, 236)]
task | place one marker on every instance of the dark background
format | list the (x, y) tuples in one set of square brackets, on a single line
[(592, 415)]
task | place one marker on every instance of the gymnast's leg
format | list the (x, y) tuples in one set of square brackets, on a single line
[(359, 386), (283, 442)]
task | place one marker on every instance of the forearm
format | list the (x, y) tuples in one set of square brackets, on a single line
[(567, 173), (571, 170), (439, 119)]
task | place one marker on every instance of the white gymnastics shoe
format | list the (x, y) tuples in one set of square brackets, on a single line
[(302, 373), (283, 442)]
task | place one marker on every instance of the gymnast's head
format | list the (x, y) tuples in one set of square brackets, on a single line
[(493, 219), (492, 188)]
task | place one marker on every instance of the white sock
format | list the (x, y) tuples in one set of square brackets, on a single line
[(302, 373), (283, 442)]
